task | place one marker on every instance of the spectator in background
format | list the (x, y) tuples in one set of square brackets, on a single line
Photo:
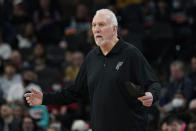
[(192, 108), (149, 10), (57, 84), (124, 3), (28, 124), (192, 104), (173, 123), (192, 74), (77, 33), (16, 91), (192, 125), (178, 84), (51, 129), (38, 59), (180, 19), (16, 59), (6, 119), (5, 11), (5, 49), (178, 104), (81, 21), (72, 70), (40, 115), (162, 13), (25, 38), (57, 124), (19, 16), (46, 19), (18, 112), (9, 78), (2, 100), (79, 125), (67, 59)]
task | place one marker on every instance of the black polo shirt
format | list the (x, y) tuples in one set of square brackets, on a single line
[(102, 77)]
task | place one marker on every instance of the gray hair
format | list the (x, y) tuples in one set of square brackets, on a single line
[(110, 15)]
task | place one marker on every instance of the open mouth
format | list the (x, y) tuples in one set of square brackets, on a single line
[(98, 36)]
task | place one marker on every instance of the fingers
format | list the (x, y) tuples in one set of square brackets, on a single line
[(147, 102), (147, 99), (143, 98), (148, 105), (27, 94), (28, 97), (28, 101), (35, 91)]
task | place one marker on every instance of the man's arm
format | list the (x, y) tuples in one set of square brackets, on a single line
[(65, 96), (144, 76), (70, 94)]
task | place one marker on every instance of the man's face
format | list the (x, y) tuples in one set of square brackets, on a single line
[(102, 29)]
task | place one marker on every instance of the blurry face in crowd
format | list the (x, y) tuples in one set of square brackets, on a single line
[(18, 9), (166, 127), (38, 50), (51, 129), (192, 104), (5, 111), (28, 75), (68, 56), (16, 57), (179, 101), (176, 72), (81, 11), (192, 126), (18, 112), (28, 30), (27, 124), (102, 29), (162, 4), (10, 70), (193, 64), (77, 59), (173, 127), (45, 4)]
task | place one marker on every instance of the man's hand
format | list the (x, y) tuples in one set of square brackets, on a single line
[(35, 98), (147, 99)]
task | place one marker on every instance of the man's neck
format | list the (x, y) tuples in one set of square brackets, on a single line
[(106, 48)]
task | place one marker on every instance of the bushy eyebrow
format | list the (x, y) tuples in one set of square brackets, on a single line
[(98, 23)]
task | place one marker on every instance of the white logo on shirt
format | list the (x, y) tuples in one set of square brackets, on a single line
[(119, 64)]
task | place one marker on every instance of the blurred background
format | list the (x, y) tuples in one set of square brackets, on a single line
[(43, 44)]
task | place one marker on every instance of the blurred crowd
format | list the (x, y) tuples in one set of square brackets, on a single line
[(43, 44)]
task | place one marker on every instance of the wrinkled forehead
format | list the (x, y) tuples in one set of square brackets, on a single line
[(100, 17)]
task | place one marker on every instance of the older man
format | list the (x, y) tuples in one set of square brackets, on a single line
[(116, 105)]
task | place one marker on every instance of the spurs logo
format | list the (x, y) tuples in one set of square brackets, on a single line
[(119, 64)]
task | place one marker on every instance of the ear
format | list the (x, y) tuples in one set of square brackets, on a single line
[(115, 28)]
